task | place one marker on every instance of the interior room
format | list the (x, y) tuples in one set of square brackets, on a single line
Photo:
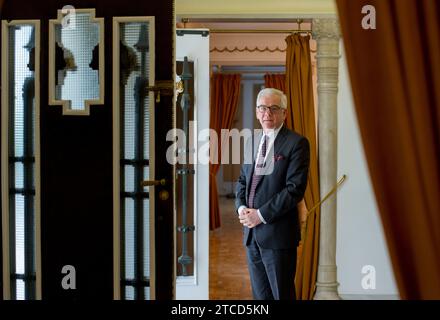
[(371, 102), (127, 172), (254, 48)]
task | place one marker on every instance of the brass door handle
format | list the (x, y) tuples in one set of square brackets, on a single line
[(147, 183)]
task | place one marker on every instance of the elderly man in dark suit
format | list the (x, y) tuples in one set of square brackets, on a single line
[(272, 182)]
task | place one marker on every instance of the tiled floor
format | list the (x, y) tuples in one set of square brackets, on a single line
[(228, 273)]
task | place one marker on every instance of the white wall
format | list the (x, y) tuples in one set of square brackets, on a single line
[(360, 238)]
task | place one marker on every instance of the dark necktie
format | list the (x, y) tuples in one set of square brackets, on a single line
[(256, 177)]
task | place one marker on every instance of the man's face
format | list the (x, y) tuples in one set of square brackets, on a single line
[(270, 119)]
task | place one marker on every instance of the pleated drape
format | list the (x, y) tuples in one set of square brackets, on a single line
[(225, 91), (301, 118), (395, 78)]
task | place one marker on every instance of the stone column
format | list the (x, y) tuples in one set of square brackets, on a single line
[(327, 34)]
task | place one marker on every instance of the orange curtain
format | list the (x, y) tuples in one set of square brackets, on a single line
[(395, 79), (301, 118), (225, 91), (276, 80)]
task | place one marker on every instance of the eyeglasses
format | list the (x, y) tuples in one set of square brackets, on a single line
[(273, 109)]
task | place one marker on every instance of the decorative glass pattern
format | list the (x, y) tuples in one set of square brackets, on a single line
[(135, 153), (77, 72), (21, 158)]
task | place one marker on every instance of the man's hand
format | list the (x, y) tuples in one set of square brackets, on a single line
[(249, 218)]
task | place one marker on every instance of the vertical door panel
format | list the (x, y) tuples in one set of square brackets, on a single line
[(133, 121), (77, 159), (20, 158)]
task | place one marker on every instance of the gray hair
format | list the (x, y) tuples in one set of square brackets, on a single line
[(272, 91)]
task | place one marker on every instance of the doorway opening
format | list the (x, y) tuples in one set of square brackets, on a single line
[(229, 277), (251, 49)]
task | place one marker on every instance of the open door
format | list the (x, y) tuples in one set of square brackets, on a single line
[(87, 101), (192, 249)]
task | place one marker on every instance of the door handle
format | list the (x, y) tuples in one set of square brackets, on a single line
[(147, 183)]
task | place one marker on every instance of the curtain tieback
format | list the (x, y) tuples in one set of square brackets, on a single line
[(333, 190)]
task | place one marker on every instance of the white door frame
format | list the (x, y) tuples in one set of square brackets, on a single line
[(196, 47)]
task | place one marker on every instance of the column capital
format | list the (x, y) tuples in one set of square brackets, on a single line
[(326, 28)]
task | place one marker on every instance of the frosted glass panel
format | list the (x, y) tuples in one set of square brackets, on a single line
[(135, 68), (147, 238), (20, 291), (147, 293), (147, 131), (19, 234), (134, 52), (129, 293), (129, 179), (130, 240), (146, 174), (19, 175), (77, 67), (21, 79), (21, 66), (129, 131)]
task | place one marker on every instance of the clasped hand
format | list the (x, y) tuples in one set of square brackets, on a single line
[(249, 218)]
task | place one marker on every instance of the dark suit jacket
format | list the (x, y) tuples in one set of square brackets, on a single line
[(278, 193)]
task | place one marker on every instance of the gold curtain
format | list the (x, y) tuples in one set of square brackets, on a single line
[(301, 118), (276, 81), (225, 91), (395, 79)]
